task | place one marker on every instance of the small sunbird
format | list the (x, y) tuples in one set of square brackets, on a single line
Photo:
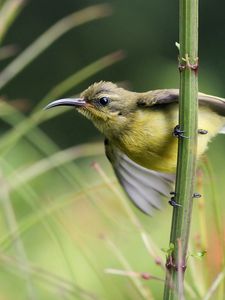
[(138, 131)]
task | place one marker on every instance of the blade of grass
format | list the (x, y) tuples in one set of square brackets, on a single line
[(198, 242), (75, 233), (8, 13), (47, 277), (48, 209), (202, 212), (18, 243), (8, 240), (70, 171), (149, 244), (197, 275), (43, 42), (143, 291), (216, 208), (54, 161), (79, 77), (26, 124), (218, 280), (146, 276), (74, 174), (15, 179), (214, 198), (151, 247)]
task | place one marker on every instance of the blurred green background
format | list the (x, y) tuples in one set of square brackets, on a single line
[(67, 230)]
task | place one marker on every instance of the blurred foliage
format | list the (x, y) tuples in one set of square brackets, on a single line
[(67, 230)]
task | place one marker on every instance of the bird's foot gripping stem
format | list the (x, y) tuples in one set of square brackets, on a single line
[(177, 132), (173, 201)]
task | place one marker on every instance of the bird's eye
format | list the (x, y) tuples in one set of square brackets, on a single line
[(104, 101)]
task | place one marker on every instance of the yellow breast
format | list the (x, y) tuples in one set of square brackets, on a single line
[(149, 140)]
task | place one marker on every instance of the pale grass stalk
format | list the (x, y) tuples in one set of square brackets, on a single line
[(22, 125), (53, 235), (50, 229), (215, 285), (8, 13), (140, 275), (53, 161), (54, 280), (218, 220), (151, 247), (78, 77), (18, 245), (196, 265), (72, 174), (143, 291), (50, 36), (75, 233), (47, 210), (149, 244), (55, 225), (189, 289), (197, 274), (180, 272), (42, 143), (214, 199), (202, 212)]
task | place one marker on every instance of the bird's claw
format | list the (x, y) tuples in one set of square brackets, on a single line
[(178, 133), (172, 200)]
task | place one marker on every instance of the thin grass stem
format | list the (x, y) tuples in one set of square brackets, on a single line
[(17, 241), (8, 13), (43, 42)]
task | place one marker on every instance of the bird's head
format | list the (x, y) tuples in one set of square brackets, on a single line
[(105, 104)]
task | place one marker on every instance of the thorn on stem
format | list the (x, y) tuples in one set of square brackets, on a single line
[(196, 195), (202, 131)]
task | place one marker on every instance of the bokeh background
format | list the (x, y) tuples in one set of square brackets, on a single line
[(67, 231)]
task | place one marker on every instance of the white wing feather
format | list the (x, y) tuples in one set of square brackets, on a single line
[(144, 187)]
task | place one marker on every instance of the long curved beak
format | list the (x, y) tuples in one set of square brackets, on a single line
[(66, 102)]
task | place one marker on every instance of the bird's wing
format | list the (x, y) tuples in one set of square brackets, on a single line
[(167, 96), (144, 187)]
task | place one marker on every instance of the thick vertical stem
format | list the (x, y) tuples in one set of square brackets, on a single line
[(187, 147)]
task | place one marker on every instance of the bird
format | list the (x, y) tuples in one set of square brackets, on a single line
[(139, 134)]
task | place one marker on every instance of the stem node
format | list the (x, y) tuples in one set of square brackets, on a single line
[(185, 63)]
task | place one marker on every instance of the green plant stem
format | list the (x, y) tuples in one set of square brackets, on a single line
[(187, 147)]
